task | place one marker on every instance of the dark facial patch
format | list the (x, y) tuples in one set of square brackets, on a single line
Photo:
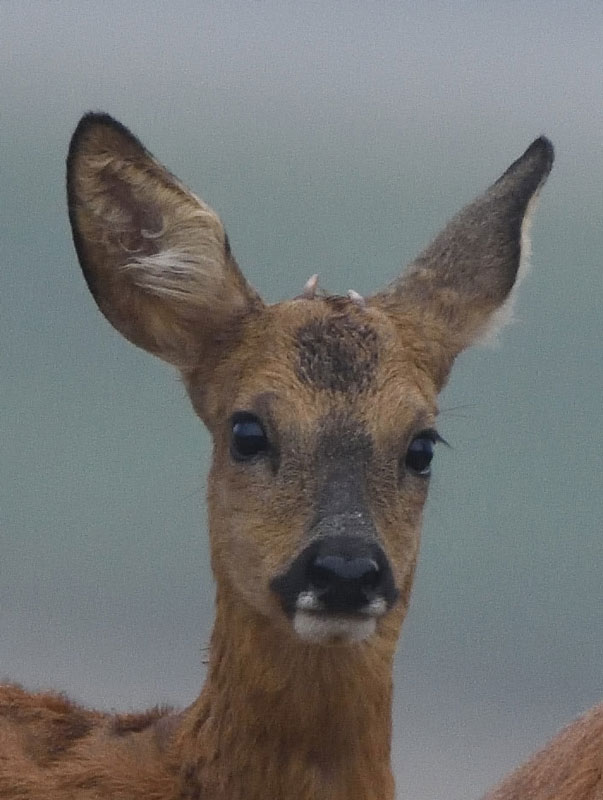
[(342, 524), (343, 456), (337, 353)]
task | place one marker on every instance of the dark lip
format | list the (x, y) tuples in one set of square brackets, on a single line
[(341, 615), (288, 604), (361, 614)]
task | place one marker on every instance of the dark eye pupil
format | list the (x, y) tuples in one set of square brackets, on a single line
[(419, 455), (248, 437)]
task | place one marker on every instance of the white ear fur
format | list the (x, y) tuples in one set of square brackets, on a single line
[(465, 281), (155, 256), (504, 315)]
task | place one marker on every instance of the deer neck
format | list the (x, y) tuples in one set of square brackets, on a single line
[(284, 720)]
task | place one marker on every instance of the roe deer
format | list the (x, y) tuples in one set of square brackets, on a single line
[(323, 412)]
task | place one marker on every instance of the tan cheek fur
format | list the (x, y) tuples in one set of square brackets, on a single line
[(268, 515)]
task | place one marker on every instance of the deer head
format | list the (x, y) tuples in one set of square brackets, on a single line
[(322, 409)]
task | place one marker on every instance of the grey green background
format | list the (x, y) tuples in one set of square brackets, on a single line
[(333, 138)]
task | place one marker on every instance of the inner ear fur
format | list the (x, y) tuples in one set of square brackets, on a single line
[(459, 288), (156, 258)]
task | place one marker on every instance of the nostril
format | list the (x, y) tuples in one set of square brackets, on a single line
[(327, 571), (320, 574)]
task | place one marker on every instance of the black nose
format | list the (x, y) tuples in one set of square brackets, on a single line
[(344, 583), (338, 575)]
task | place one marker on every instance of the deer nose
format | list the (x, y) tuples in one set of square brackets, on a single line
[(338, 574), (344, 584)]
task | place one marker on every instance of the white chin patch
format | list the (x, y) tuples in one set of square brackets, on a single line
[(313, 627)]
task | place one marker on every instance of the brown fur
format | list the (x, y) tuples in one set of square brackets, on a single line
[(337, 354), (342, 388), (52, 724), (570, 767)]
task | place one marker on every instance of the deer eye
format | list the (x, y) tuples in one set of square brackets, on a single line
[(248, 437), (420, 453)]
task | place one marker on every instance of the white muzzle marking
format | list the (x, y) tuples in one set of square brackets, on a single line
[(315, 627)]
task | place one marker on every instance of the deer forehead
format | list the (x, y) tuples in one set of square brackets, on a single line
[(309, 363)]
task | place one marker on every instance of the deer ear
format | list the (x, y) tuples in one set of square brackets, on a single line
[(155, 257), (461, 285)]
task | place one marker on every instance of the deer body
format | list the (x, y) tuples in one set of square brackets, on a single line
[(570, 767), (322, 411)]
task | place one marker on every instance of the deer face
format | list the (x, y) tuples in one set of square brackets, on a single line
[(323, 434), (322, 409)]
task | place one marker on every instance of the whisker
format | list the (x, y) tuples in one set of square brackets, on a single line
[(453, 411)]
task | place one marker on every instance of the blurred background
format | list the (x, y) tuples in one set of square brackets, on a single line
[(332, 137)]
